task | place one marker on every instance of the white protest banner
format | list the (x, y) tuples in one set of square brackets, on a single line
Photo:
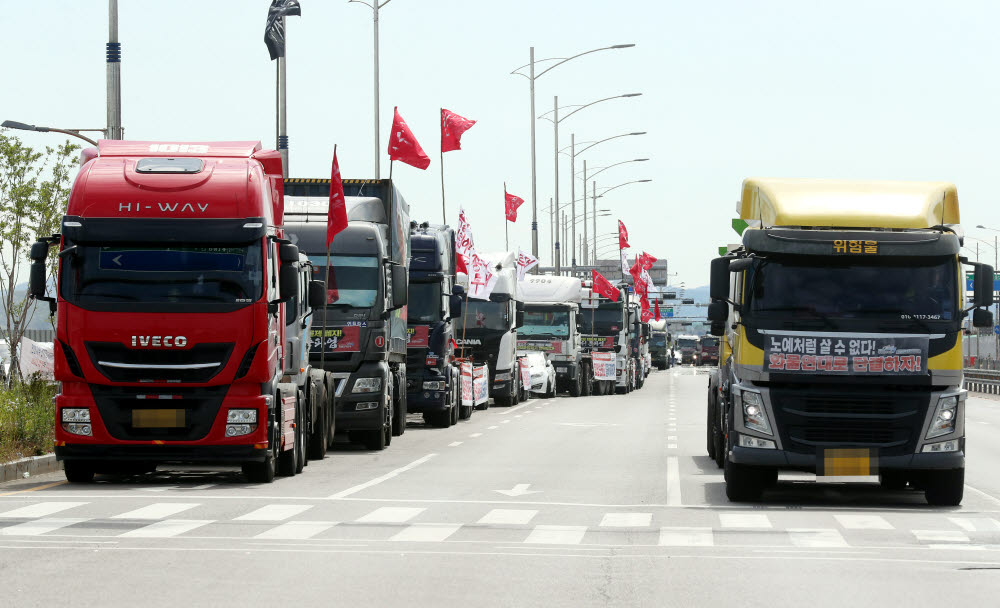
[(604, 365), (467, 394), (525, 262), (481, 278), (525, 373), (37, 358), (463, 238), (481, 384)]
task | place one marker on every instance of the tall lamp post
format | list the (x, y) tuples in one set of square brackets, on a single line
[(375, 5), (532, 77), (555, 120), (996, 313), (600, 170), (20, 126), (602, 194)]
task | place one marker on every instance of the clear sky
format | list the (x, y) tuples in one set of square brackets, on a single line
[(853, 89)]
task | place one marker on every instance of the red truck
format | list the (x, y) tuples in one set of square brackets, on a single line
[(173, 278)]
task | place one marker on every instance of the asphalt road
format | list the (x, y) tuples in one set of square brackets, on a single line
[(598, 501)]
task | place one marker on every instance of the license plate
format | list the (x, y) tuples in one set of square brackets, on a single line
[(848, 462), (157, 419)]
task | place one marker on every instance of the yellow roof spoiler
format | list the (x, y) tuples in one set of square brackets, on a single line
[(848, 204)]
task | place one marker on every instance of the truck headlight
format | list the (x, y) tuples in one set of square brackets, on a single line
[(746, 441), (77, 429), (944, 417), (76, 414), (753, 413), (942, 446), (367, 385), (236, 430), (241, 417), (434, 385)]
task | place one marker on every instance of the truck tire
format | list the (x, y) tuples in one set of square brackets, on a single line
[(588, 381), (288, 459), (319, 440), (945, 488), (331, 413), (263, 472), (399, 408), (464, 411), (576, 386), (710, 423), (379, 439), (743, 483), (301, 435), (78, 471)]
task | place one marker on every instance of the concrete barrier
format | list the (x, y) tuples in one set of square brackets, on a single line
[(34, 465)]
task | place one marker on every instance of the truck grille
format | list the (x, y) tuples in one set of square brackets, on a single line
[(118, 363), (811, 418), (116, 406)]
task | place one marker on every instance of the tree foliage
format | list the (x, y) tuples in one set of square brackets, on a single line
[(34, 191)]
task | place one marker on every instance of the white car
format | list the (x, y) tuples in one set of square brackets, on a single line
[(543, 375)]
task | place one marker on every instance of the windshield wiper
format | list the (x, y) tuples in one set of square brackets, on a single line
[(819, 315)]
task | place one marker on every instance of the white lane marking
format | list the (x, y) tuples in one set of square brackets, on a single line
[(204, 486), (852, 521), (816, 537), (492, 427), (297, 530), (157, 510), (529, 412), (520, 489), (517, 415), (454, 444), (686, 537), (386, 477), (941, 536), (474, 435), (508, 517), (673, 482), (984, 494), (974, 524), (744, 520), (517, 407), (556, 535), (671, 437), (505, 421), (671, 446), (391, 515), (626, 520), (166, 528), (42, 509), (274, 513), (426, 533), (37, 527)]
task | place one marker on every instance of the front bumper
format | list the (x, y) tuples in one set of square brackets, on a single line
[(201, 454), (807, 462), (419, 400)]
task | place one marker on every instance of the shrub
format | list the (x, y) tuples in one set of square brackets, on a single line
[(27, 419)]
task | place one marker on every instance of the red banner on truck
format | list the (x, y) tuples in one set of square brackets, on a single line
[(871, 354), (336, 339), (416, 336)]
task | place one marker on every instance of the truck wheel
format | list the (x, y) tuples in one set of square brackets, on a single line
[(710, 439), (263, 472), (399, 409), (301, 435), (464, 411), (945, 488), (576, 386), (453, 411), (330, 406), (743, 483), (288, 459), (379, 439), (588, 381), (78, 471), (319, 440)]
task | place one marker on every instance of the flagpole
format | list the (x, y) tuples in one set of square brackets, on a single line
[(326, 285), (506, 243), (465, 317), (444, 214)]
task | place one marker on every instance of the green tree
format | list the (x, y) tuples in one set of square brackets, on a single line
[(34, 189)]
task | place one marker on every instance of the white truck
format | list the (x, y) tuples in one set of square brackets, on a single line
[(552, 326), (486, 330)]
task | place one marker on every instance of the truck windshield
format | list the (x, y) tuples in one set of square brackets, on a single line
[(159, 274), (686, 343), (480, 314), (544, 324), (659, 340), (424, 303), (352, 281), (889, 289), (709, 343), (601, 321)]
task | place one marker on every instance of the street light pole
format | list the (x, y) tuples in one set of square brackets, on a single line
[(113, 52), (595, 214), (11, 124), (534, 185), (572, 169), (375, 6), (555, 126)]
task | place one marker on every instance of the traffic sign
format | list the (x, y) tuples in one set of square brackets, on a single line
[(969, 282), (740, 225)]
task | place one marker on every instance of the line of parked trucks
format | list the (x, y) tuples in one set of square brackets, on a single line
[(202, 318)]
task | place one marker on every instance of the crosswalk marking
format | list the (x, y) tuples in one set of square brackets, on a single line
[(686, 537), (556, 535), (157, 510), (297, 530), (852, 521), (391, 515), (976, 524), (39, 526), (426, 533), (744, 520), (474, 435), (42, 509), (816, 537), (939, 536), (508, 516), (626, 520), (454, 444), (274, 513), (166, 528)]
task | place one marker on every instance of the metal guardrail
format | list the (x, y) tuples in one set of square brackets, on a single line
[(982, 380)]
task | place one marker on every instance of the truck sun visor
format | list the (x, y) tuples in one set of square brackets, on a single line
[(163, 230)]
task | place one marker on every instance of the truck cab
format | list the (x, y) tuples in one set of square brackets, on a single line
[(605, 327), (688, 346), (659, 344), (360, 335), (708, 351), (552, 326), (432, 380)]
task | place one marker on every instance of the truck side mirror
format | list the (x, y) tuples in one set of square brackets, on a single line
[(982, 318), (400, 284), (36, 278), (288, 253), (288, 282), (719, 287), (519, 318), (455, 305), (983, 287), (718, 312), (718, 328), (317, 295)]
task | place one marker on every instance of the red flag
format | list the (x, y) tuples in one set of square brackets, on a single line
[(646, 261), (645, 316), (403, 146), (454, 344), (336, 215), (511, 203), (452, 127), (460, 264), (622, 236), (656, 309), (604, 288)]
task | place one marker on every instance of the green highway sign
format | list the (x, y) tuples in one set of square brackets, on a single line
[(739, 225)]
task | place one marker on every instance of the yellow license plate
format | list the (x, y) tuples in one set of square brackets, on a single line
[(849, 462), (157, 419)]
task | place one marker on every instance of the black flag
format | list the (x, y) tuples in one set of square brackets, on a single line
[(274, 31)]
